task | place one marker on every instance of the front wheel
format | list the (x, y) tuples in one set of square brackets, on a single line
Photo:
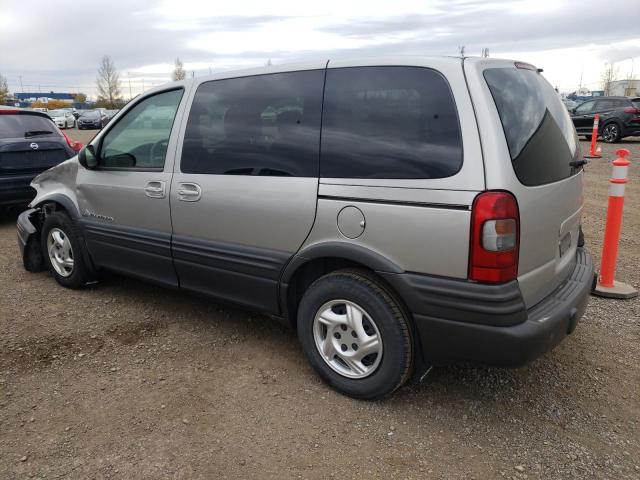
[(611, 133), (355, 334), (62, 252)]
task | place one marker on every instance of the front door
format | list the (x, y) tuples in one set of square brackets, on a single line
[(583, 117), (243, 196), (124, 202)]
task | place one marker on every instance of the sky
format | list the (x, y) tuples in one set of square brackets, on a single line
[(56, 45)]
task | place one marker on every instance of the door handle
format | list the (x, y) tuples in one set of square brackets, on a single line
[(155, 189), (189, 192)]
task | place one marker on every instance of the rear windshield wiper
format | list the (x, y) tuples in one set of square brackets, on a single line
[(33, 133)]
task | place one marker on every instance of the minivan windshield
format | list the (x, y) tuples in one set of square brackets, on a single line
[(540, 134)]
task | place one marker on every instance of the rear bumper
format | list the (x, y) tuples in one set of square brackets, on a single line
[(489, 324), (16, 189)]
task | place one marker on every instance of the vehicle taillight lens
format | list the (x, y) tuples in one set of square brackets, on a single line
[(632, 110), (76, 146), (495, 238)]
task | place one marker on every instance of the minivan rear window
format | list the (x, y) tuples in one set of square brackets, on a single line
[(540, 134), (19, 125), (389, 122)]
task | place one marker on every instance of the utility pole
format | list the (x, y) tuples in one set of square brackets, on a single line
[(130, 94), (21, 86), (580, 87)]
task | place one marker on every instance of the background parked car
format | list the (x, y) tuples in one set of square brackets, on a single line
[(92, 119), (63, 118), (111, 113), (73, 112), (30, 143), (619, 117)]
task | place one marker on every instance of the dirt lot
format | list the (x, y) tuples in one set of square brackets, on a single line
[(127, 380)]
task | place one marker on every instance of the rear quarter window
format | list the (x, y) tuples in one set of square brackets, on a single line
[(389, 122), (539, 132)]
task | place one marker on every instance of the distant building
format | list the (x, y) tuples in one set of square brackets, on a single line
[(44, 97), (624, 88)]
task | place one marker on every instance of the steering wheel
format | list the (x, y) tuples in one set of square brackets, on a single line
[(158, 155)]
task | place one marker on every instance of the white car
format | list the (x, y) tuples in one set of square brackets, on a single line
[(62, 118)]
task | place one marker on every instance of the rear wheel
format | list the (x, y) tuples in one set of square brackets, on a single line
[(62, 252), (611, 133), (355, 334)]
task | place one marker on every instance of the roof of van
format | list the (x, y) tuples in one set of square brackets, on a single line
[(395, 60)]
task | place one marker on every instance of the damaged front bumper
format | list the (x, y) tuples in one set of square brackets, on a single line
[(29, 239)]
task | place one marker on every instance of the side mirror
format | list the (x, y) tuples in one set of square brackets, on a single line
[(87, 158)]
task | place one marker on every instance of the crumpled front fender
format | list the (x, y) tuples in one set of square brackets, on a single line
[(58, 184)]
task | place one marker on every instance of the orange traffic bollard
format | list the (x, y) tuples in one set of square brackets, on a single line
[(607, 286), (593, 152)]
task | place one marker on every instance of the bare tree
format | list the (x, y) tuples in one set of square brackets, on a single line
[(108, 82), (4, 89), (609, 75), (179, 72)]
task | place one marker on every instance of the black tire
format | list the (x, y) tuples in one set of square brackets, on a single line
[(611, 133), (380, 304), (80, 274)]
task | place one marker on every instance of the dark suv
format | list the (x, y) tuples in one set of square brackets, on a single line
[(619, 117), (30, 143)]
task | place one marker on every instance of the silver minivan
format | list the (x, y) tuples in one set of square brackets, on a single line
[(399, 212)]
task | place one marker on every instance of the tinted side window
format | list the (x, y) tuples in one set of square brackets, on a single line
[(539, 132), (260, 125), (389, 122), (606, 105), (586, 107), (141, 137)]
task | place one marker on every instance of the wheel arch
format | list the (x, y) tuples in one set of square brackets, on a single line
[(59, 200), (317, 260)]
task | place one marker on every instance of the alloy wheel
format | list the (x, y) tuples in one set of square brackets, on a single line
[(610, 133), (60, 252), (347, 339)]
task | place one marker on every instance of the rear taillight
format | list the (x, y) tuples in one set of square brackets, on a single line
[(632, 110), (495, 238), (76, 146)]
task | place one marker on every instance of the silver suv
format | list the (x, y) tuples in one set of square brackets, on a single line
[(399, 213)]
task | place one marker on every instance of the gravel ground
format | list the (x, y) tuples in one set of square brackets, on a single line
[(127, 380)]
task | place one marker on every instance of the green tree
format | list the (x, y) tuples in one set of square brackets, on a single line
[(108, 83), (178, 71)]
